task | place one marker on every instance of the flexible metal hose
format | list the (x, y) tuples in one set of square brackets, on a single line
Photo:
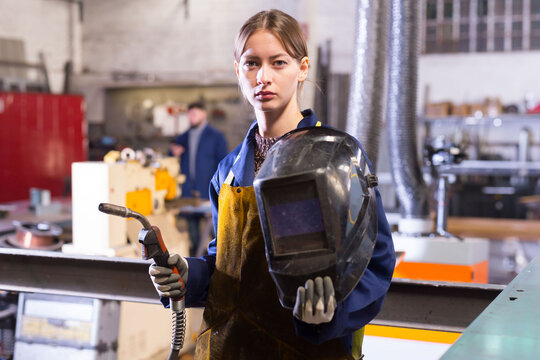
[(178, 311), (411, 189), (366, 95)]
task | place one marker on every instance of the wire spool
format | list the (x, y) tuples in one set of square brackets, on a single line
[(39, 236)]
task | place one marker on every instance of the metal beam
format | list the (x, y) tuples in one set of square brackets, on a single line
[(433, 305), (419, 304), (78, 275)]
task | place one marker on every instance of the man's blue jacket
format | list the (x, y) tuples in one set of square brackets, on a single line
[(212, 148)]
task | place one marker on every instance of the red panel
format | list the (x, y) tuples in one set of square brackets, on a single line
[(40, 136)]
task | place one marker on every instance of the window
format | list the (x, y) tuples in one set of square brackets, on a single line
[(535, 25), (480, 25)]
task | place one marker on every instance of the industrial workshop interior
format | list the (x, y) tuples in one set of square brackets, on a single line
[(424, 133)]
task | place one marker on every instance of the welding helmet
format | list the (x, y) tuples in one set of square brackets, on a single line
[(318, 210)]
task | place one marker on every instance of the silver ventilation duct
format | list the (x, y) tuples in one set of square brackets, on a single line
[(367, 89), (411, 190)]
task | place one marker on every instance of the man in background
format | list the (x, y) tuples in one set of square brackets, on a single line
[(200, 149)]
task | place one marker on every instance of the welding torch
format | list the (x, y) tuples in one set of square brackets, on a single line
[(153, 247)]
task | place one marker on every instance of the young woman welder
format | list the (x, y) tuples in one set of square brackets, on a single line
[(243, 318)]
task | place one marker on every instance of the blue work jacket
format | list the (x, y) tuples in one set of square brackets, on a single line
[(353, 313), (212, 148)]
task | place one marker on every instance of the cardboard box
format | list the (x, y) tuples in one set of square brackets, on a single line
[(434, 110)]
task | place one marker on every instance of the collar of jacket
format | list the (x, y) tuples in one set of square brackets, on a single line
[(244, 167)]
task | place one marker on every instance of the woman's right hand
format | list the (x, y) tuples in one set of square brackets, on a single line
[(166, 282)]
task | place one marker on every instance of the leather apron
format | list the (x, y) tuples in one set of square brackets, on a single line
[(243, 318)]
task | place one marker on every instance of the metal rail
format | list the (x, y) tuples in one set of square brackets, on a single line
[(20, 64), (492, 168), (435, 305), (419, 304), (78, 275)]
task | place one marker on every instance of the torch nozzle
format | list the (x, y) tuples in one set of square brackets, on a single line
[(122, 211)]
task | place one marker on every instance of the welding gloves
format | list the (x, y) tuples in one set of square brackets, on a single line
[(166, 282), (316, 301)]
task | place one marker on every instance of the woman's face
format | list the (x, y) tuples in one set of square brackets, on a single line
[(267, 74)]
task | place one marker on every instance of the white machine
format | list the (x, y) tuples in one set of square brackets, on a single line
[(82, 328)]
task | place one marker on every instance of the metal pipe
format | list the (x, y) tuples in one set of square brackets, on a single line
[(122, 211), (11, 310), (441, 197), (524, 145), (442, 208)]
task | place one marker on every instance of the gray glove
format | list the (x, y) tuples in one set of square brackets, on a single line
[(316, 301), (166, 282)]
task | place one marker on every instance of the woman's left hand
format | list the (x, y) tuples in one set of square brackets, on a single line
[(316, 301)]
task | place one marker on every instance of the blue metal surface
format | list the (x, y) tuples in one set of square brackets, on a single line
[(509, 328)]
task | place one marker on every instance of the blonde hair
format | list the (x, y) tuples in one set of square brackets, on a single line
[(283, 26)]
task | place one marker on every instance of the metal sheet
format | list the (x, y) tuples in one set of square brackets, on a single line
[(508, 328)]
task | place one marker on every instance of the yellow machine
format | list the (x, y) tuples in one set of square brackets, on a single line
[(121, 179)]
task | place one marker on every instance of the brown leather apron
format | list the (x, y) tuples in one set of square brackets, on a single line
[(243, 318)]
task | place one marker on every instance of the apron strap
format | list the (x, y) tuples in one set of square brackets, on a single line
[(358, 339)]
